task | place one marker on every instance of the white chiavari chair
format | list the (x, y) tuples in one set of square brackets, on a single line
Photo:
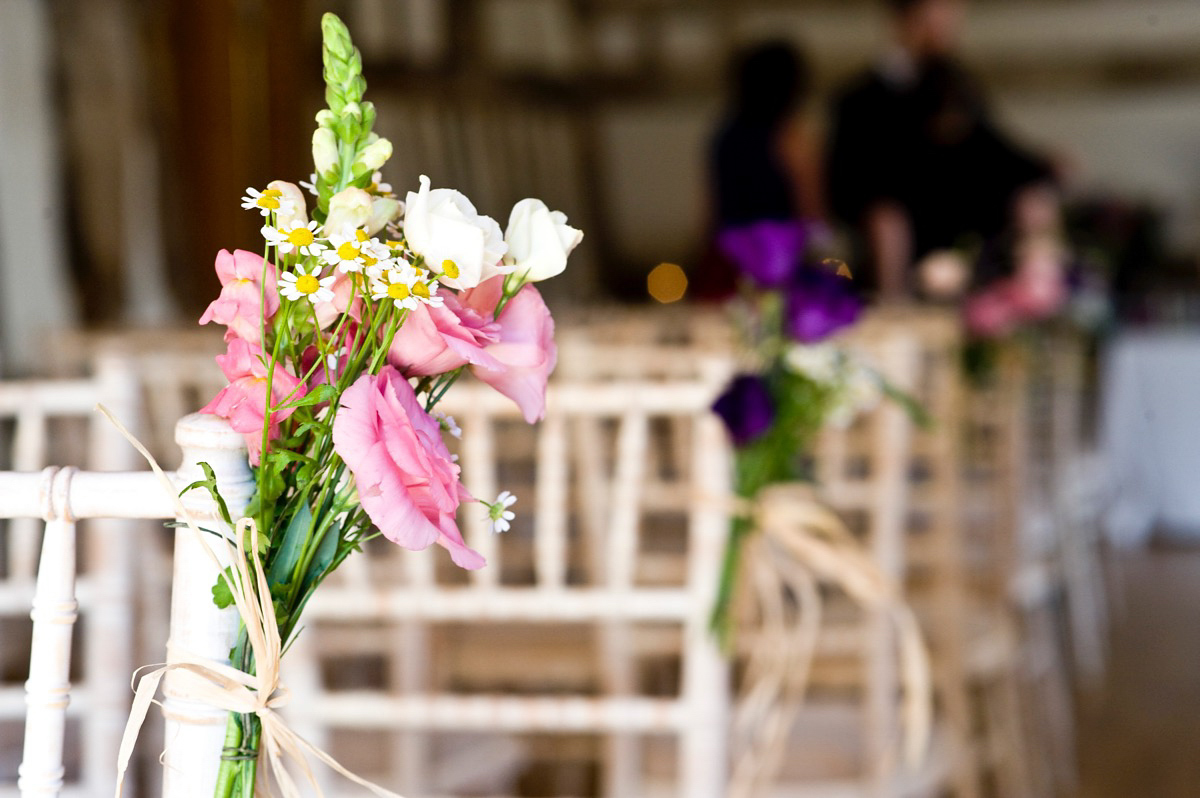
[(59, 497), (511, 650), (47, 421)]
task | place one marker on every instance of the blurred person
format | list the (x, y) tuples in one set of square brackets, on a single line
[(916, 164), (764, 162)]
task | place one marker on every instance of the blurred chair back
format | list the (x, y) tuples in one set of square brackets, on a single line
[(512, 649)]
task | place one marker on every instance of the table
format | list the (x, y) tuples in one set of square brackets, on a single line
[(1150, 435)]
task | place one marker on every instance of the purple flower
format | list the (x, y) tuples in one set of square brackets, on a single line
[(746, 408), (819, 303), (766, 252)]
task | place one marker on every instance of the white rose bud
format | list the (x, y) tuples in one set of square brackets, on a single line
[(297, 215), (539, 241), (349, 209), (443, 226), (375, 154), (325, 151)]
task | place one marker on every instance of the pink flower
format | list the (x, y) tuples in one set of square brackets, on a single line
[(343, 290), (436, 340), (244, 400), (1039, 288), (238, 305), (406, 480), (525, 348), (991, 313)]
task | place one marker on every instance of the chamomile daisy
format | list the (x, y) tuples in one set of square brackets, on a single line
[(346, 251), (266, 202), (302, 284), (395, 284), (499, 514), (298, 237)]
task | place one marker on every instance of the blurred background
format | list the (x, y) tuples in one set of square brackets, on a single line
[(129, 129)]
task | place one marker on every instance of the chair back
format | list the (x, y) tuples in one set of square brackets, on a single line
[(549, 573)]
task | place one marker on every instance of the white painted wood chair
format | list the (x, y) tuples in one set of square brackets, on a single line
[(62, 496), (54, 420), (515, 666)]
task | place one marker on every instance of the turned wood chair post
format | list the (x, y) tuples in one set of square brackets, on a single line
[(195, 733)]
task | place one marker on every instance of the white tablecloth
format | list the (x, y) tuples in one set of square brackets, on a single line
[(1150, 433)]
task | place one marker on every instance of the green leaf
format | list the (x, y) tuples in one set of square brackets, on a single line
[(221, 592), (210, 484), (322, 393), (291, 547), (323, 556)]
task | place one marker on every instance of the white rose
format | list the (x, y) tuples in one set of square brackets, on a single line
[(539, 240), (443, 226), (349, 209)]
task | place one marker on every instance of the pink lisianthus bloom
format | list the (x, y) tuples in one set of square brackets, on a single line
[(343, 290), (1039, 288), (407, 482), (243, 402), (525, 347), (991, 313), (237, 307), (436, 340)]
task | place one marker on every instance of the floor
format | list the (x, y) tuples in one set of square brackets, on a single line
[(1139, 737)]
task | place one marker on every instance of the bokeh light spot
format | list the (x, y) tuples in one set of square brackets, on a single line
[(667, 283)]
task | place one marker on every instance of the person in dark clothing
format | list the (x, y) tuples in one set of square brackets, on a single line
[(763, 158), (915, 162)]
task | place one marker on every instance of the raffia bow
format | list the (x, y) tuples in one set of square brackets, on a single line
[(801, 545), (222, 686)]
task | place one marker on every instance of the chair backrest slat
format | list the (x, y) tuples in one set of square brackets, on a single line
[(550, 537), (47, 691)]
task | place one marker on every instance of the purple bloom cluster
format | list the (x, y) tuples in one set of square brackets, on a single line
[(767, 252), (746, 408), (818, 304)]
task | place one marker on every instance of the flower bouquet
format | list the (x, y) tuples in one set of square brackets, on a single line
[(342, 336), (795, 381)]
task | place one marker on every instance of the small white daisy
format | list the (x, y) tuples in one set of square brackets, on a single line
[(343, 253), (311, 185), (427, 293), (377, 185), (499, 514), (266, 202), (396, 284), (301, 237), (301, 283)]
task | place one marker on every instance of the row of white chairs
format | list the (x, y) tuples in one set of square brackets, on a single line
[(589, 624)]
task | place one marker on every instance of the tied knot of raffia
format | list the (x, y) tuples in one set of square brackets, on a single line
[(801, 544), (218, 684)]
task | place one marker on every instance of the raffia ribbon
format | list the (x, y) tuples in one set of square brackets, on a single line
[(222, 686), (802, 544)]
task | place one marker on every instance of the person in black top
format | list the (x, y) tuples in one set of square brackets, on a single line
[(915, 161), (763, 158)]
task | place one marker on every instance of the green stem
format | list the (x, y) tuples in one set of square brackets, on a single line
[(233, 741), (721, 621)]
